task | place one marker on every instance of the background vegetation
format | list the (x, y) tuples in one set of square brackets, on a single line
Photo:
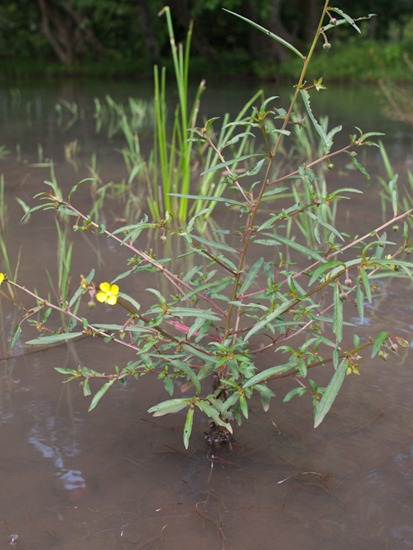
[(125, 37)]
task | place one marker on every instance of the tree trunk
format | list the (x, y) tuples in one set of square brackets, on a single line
[(311, 10), (64, 30), (259, 44), (148, 33)]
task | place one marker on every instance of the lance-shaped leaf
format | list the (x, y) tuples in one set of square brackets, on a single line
[(169, 407), (188, 426), (297, 246), (273, 315), (268, 373), (16, 333), (360, 301), (325, 403), (394, 194), (213, 414), (206, 198), (378, 342), (366, 283), (346, 17), (345, 21), (328, 139), (183, 367), (80, 289), (359, 166), (270, 34), (228, 163), (100, 393), (338, 315), (251, 275), (54, 339)]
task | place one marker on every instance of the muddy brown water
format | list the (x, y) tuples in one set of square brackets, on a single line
[(117, 478)]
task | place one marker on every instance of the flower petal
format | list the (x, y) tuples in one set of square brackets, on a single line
[(2, 275), (104, 287), (114, 289), (101, 297), (112, 300)]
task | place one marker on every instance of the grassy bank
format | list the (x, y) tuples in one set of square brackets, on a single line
[(353, 60), (365, 61)]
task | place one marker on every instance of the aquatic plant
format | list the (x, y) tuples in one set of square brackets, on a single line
[(265, 290)]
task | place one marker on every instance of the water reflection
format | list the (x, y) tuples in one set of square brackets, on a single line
[(56, 440)]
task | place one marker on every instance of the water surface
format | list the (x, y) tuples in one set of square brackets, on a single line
[(117, 478)]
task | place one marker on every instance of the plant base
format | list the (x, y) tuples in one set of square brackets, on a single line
[(218, 436)]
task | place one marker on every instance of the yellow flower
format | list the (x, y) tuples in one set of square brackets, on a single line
[(108, 294), (2, 277)]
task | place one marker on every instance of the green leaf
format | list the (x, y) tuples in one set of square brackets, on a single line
[(205, 314), (208, 359), (323, 223), (183, 367), (86, 388), (366, 283), (80, 290), (346, 17), (54, 339), (188, 426), (273, 315), (228, 163), (243, 405), (203, 287), (168, 385), (394, 194), (265, 395), (338, 315), (252, 273), (100, 393), (378, 342), (360, 300), (213, 244), (325, 403), (359, 166), (63, 370), (317, 126), (207, 198), (296, 391), (16, 333), (268, 373), (299, 247), (344, 21), (270, 34), (319, 271), (195, 327), (230, 402), (169, 407), (333, 132), (76, 187), (213, 414)]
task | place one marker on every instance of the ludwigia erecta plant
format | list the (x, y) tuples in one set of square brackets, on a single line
[(263, 291)]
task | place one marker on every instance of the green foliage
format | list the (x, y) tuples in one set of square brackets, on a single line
[(281, 284), (130, 37), (361, 61)]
